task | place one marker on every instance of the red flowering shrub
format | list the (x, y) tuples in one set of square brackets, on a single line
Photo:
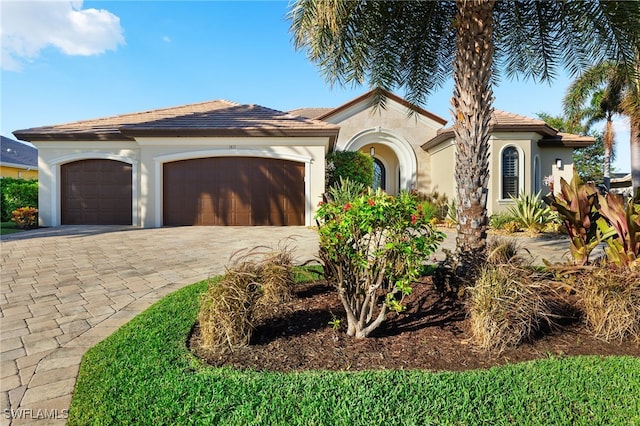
[(372, 247)]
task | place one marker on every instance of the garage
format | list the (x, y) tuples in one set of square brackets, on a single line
[(240, 191), (96, 192)]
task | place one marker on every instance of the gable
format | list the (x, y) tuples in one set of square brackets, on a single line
[(366, 104)]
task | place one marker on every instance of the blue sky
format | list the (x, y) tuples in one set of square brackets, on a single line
[(71, 60)]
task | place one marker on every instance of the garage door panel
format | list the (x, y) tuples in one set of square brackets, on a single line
[(96, 192), (233, 191)]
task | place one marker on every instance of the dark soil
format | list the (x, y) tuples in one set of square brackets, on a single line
[(433, 334)]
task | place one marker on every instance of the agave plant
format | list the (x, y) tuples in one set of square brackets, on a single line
[(529, 211)]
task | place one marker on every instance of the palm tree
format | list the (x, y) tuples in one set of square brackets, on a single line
[(414, 45), (603, 86)]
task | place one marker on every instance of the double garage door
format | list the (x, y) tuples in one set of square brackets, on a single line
[(205, 191), (233, 191)]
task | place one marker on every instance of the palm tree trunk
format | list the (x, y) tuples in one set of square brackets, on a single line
[(635, 154), (608, 149), (472, 108)]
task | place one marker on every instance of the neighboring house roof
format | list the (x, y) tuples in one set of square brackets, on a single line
[(620, 180), (212, 118), (18, 154), (502, 121)]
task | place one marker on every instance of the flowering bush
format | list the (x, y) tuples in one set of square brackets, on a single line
[(25, 217), (372, 248)]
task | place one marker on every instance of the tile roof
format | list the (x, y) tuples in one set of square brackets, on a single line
[(212, 118), (311, 112), (17, 153), (502, 121)]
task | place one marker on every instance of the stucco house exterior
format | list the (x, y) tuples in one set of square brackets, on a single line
[(222, 163), (18, 160)]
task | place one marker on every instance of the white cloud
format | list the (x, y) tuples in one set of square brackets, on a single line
[(30, 26), (166, 39)]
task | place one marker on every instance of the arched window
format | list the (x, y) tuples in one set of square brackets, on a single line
[(379, 175), (510, 172)]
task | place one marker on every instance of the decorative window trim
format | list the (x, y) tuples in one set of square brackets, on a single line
[(521, 172)]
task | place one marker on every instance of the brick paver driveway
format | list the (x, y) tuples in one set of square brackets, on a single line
[(65, 289)]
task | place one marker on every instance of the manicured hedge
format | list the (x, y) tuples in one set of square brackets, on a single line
[(17, 193)]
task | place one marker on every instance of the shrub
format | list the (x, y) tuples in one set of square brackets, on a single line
[(576, 207), (250, 289), (17, 193), (440, 203), (530, 212), (623, 248), (610, 300), (509, 305), (352, 165), (373, 247), (452, 213), (25, 217), (429, 210), (505, 222), (591, 218), (502, 251)]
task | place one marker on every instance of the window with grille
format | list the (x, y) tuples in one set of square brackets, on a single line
[(509, 172)]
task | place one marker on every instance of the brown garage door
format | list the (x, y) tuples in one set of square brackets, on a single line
[(233, 191), (96, 192)]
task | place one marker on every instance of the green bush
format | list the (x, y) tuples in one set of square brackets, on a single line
[(440, 203), (17, 193), (373, 248), (500, 220), (352, 165)]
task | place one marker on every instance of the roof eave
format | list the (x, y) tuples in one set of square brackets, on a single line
[(226, 132), (543, 130), (565, 143), (73, 136)]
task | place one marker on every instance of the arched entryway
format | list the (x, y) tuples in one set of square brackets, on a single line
[(394, 158)]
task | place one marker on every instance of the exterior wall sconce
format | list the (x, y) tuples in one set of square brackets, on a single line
[(372, 151), (559, 163)]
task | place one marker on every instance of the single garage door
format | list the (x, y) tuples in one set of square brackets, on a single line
[(96, 192), (233, 191)]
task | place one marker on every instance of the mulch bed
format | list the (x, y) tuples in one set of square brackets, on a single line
[(433, 334)]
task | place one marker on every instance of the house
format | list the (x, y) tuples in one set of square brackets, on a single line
[(18, 160), (222, 163)]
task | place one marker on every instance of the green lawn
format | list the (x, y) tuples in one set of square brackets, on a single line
[(144, 374), (9, 228)]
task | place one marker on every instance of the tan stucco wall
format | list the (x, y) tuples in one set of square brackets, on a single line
[(443, 162), (148, 154), (443, 165), (391, 127)]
